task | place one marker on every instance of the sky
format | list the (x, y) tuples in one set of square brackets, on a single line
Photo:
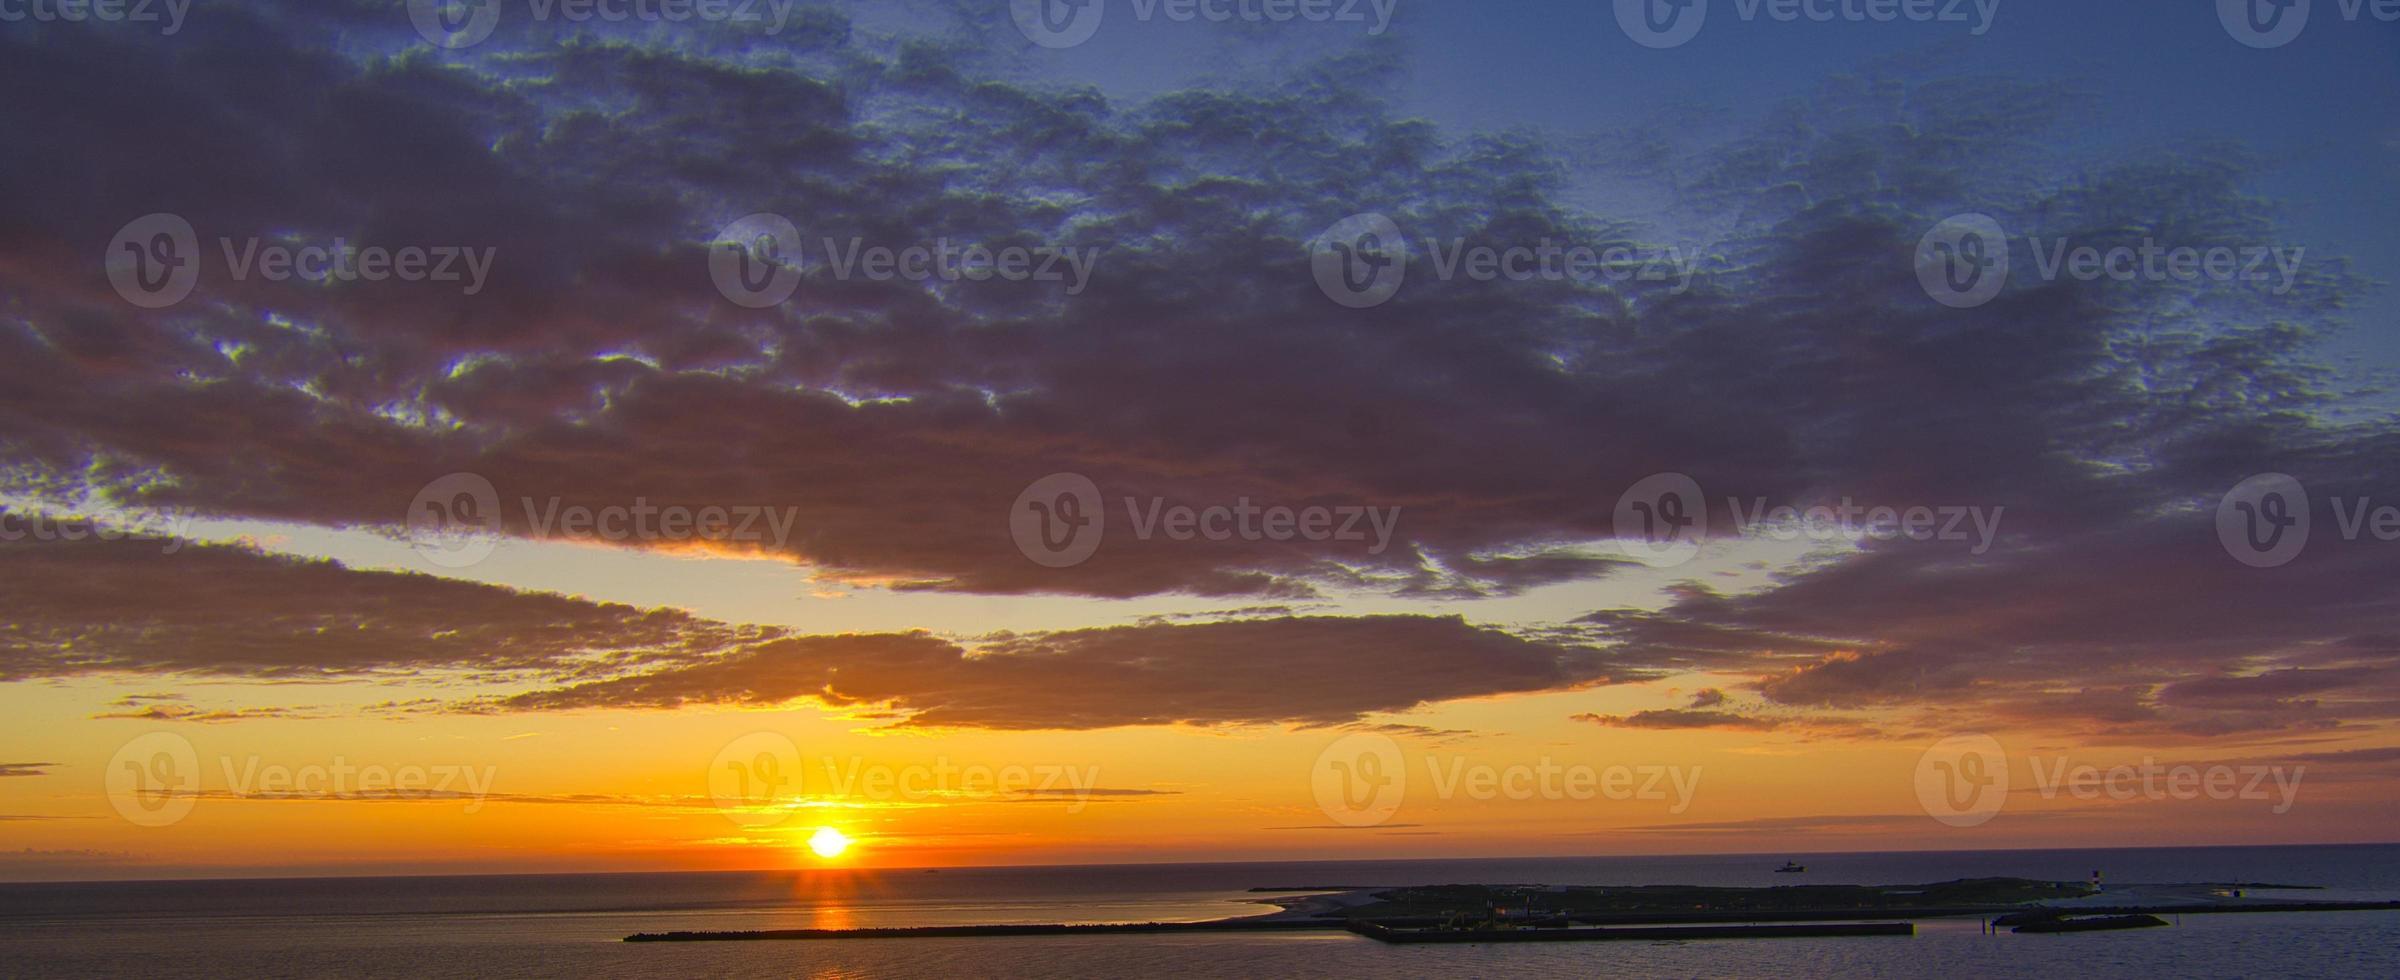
[(915, 434)]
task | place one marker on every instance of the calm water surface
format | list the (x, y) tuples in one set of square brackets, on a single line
[(569, 925)]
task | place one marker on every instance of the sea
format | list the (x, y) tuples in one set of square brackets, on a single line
[(573, 925)]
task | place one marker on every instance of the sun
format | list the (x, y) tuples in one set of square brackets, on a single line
[(828, 842)]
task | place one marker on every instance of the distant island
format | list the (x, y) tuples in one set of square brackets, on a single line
[(1521, 913)]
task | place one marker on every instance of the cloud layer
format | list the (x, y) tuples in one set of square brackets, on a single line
[(899, 420), (1295, 670)]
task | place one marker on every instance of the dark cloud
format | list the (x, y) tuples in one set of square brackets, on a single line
[(128, 606), (2274, 686), (1675, 718), (132, 606), (178, 707), (899, 421), (1298, 670), (2145, 628), (26, 768), (171, 712), (1427, 733), (1850, 680), (2373, 757), (599, 366)]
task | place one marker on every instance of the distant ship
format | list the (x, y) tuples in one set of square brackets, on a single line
[(1790, 868)]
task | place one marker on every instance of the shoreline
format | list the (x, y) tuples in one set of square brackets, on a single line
[(1330, 910)]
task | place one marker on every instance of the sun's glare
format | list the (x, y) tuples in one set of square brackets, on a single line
[(828, 842)]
